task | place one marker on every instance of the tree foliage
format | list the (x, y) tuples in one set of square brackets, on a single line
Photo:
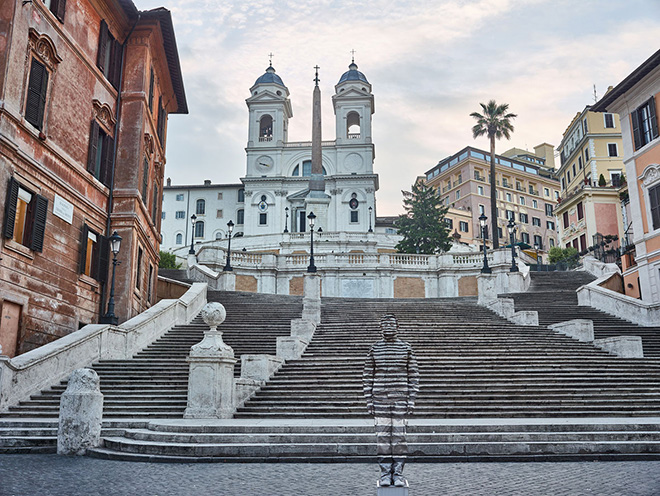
[(495, 122), (558, 254), (422, 226), (168, 261)]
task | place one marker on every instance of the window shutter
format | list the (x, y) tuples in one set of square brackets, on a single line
[(103, 259), (83, 249), (59, 8), (637, 137), (145, 180), (40, 214), (151, 90), (93, 147), (106, 160), (10, 208), (115, 63), (103, 45), (36, 95), (154, 205), (654, 118)]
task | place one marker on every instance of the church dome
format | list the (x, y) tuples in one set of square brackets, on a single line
[(270, 77), (353, 75)]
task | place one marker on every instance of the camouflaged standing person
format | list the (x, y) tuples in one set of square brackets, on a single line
[(391, 383)]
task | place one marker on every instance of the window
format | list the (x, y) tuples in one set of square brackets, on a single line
[(180, 214), (218, 214), (241, 195), (499, 232), (546, 192), (580, 162), (654, 202), (609, 120), (644, 123), (568, 177), (510, 215), (535, 204), (240, 216), (585, 127), (109, 55), (145, 179), (25, 216), (199, 229), (524, 218), (179, 197), (583, 242), (154, 204), (586, 155), (138, 268), (552, 242), (482, 210), (538, 242), (521, 200), (162, 119), (219, 195), (179, 239), (550, 225), (94, 254), (449, 223), (463, 226), (218, 235), (150, 283), (263, 219), (266, 128), (563, 183), (200, 207), (524, 237), (556, 195), (354, 216), (508, 197), (580, 211), (536, 221), (57, 7), (548, 209), (35, 102), (162, 215), (612, 150), (480, 190), (151, 90), (458, 194), (565, 218), (100, 154)]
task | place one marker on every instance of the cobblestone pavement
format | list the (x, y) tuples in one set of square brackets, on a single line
[(52, 475)]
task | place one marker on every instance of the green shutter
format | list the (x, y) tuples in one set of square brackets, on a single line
[(36, 95), (83, 249), (10, 208), (103, 46), (93, 147), (653, 119), (107, 160), (39, 205), (637, 136)]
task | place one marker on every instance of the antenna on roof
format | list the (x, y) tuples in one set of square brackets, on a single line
[(595, 95)]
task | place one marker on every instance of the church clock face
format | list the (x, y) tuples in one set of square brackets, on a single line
[(264, 163)]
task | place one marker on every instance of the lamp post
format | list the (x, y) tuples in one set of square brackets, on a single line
[(536, 248), (511, 226), (312, 267), (230, 228), (370, 210), (482, 222), (110, 317), (286, 220), (193, 218)]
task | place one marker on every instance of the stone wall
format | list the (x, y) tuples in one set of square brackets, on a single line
[(409, 287), (246, 283), (467, 286)]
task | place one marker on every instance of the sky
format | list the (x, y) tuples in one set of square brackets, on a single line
[(430, 64)]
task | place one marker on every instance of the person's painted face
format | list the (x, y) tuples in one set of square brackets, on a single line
[(389, 328)]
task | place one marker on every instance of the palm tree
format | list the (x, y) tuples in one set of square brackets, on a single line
[(494, 122)]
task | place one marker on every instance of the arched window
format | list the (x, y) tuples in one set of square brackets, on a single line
[(306, 169), (200, 208), (353, 125), (266, 128), (218, 235), (240, 217), (179, 239), (199, 229)]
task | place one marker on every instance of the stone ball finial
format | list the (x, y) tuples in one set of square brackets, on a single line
[(214, 314), (83, 380)]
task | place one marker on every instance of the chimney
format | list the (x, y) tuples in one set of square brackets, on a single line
[(169, 181), (207, 182)]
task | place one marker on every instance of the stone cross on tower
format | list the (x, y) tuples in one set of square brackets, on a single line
[(270, 58)]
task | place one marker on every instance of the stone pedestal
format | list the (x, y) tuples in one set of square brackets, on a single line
[(622, 346), (81, 414), (580, 329), (290, 347), (311, 298), (227, 281), (486, 288), (211, 380), (259, 367), (318, 203), (303, 329), (391, 490)]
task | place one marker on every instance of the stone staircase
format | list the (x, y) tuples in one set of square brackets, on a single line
[(553, 295)]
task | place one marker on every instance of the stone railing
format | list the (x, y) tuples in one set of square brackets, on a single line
[(597, 296), (31, 372)]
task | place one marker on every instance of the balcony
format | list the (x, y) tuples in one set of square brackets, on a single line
[(265, 138), (351, 136)]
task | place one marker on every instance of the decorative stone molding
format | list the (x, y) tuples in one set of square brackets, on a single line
[(369, 190), (281, 192), (650, 175), (104, 116), (44, 47), (149, 144), (247, 193)]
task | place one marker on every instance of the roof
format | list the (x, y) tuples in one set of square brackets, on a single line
[(352, 75), (202, 186), (269, 77), (633, 78)]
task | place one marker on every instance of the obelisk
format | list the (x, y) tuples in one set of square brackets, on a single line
[(317, 201)]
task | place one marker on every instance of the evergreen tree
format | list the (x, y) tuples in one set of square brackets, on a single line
[(423, 225)]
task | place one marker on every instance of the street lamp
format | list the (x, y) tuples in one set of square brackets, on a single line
[(286, 220), (312, 267), (511, 226), (536, 248), (230, 228), (482, 222), (110, 317), (370, 210), (193, 218)]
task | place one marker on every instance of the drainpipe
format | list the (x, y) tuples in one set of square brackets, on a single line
[(114, 151)]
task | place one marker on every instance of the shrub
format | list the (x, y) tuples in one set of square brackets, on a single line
[(168, 261)]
